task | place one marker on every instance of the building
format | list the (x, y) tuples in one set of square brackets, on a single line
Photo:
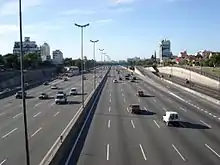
[(134, 59), (45, 52), (28, 47), (58, 57), (165, 50)]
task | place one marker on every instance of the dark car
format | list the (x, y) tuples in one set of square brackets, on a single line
[(120, 78), (134, 108), (18, 95), (134, 78), (46, 83), (43, 96), (140, 93)]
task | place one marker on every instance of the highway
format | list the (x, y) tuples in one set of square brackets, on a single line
[(46, 120), (117, 137)]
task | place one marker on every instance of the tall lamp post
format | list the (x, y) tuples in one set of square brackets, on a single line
[(101, 50), (94, 79), (82, 62), (23, 89)]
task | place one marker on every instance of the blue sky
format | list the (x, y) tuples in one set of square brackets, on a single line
[(125, 28)]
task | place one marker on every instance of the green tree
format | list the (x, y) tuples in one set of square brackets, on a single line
[(2, 61), (32, 60), (11, 61)]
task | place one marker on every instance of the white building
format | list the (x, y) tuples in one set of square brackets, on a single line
[(165, 50), (57, 57), (28, 47), (45, 52)]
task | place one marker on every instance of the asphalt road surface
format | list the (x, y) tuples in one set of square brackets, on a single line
[(117, 137), (46, 120)]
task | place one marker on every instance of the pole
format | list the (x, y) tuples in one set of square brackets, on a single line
[(94, 74), (82, 62), (23, 90)]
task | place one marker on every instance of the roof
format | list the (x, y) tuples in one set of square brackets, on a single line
[(171, 112)]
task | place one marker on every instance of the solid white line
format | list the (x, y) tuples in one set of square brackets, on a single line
[(206, 124), (109, 109), (145, 158), (164, 109), (132, 123), (17, 115), (156, 124), (37, 114), (182, 109), (36, 132), (9, 133), (109, 123), (212, 150), (56, 114), (3, 162), (178, 152), (107, 152), (1, 115)]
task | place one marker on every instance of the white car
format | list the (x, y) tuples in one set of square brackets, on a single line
[(60, 99), (171, 118), (73, 91), (53, 87), (115, 81)]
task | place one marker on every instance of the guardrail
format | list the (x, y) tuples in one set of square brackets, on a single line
[(58, 153)]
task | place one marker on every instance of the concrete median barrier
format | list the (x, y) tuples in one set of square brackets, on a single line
[(60, 150)]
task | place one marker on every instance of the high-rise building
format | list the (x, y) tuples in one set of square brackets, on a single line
[(57, 57), (28, 47), (45, 52), (165, 50)]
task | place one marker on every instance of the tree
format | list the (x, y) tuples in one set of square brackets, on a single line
[(2, 61), (11, 61), (32, 60)]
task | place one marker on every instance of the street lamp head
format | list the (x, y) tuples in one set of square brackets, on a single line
[(82, 26), (101, 50), (94, 41)]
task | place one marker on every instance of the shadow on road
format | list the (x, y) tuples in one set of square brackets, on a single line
[(82, 94), (144, 112), (29, 97), (74, 102), (148, 96), (184, 124)]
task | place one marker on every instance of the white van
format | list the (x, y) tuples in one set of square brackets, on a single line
[(171, 118)]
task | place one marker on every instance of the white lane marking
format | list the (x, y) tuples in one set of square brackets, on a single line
[(9, 133), (205, 111), (109, 109), (36, 105), (7, 105), (156, 124), (52, 104), (2, 162), (154, 100), (109, 123), (182, 109), (178, 152), (132, 123), (37, 114), (210, 114), (56, 114), (1, 115), (206, 124), (36, 132), (124, 100), (164, 109), (122, 94), (110, 100), (139, 100), (128, 109), (145, 109), (107, 152), (17, 115), (212, 150), (219, 118), (214, 116), (177, 96), (142, 150), (110, 94)]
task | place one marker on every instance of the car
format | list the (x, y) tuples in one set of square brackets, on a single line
[(18, 95), (120, 78), (53, 87), (140, 93), (127, 78), (134, 108), (134, 78), (73, 91), (46, 83), (43, 96), (132, 81), (115, 81), (84, 78), (61, 92), (65, 79), (171, 117), (60, 99)]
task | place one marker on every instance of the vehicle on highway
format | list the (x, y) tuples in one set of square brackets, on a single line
[(84, 78), (43, 96), (73, 91), (18, 95), (60, 99), (65, 79), (53, 87), (120, 78), (132, 80), (115, 81), (134, 108), (61, 93), (171, 118), (46, 83), (140, 93)]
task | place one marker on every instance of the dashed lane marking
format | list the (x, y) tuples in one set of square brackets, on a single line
[(206, 124), (142, 151), (212, 150), (2, 162), (132, 123), (156, 123), (9, 133), (178, 152), (36, 132)]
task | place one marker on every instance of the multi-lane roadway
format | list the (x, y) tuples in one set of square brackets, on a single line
[(46, 120), (117, 137)]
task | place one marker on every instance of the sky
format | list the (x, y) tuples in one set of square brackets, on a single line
[(124, 28)]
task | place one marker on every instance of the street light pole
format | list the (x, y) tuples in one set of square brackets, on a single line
[(82, 62), (101, 50), (94, 79), (23, 89)]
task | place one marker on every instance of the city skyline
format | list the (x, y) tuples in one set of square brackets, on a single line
[(125, 28)]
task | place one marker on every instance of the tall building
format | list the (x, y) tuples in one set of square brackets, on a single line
[(165, 50), (57, 57), (45, 52), (28, 47)]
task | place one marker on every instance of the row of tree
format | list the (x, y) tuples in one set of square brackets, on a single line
[(77, 62)]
